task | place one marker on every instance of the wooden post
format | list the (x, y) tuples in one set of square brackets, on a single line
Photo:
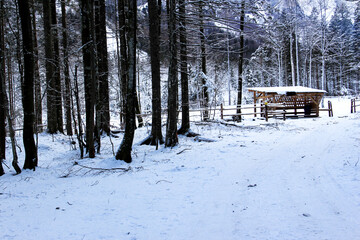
[(352, 105), (317, 110), (266, 112), (221, 111), (330, 109), (284, 113), (255, 104)]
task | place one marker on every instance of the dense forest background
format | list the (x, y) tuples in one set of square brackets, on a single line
[(82, 67)]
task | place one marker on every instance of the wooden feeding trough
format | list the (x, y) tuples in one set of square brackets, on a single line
[(288, 101)]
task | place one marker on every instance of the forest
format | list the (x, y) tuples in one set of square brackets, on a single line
[(90, 68)]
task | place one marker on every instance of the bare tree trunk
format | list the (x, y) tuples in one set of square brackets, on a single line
[(297, 60), (50, 81), (78, 108), (88, 41), (241, 58), (124, 151), (279, 53), (38, 96), (6, 112), (56, 64), (103, 109), (2, 91), (10, 84), (67, 95), (123, 53), (293, 80), (310, 68), (154, 20), (28, 86), (185, 114), (171, 126), (205, 93)]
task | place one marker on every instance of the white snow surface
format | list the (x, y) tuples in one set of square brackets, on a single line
[(293, 179)]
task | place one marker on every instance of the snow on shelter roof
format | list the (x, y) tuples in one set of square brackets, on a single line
[(284, 90)]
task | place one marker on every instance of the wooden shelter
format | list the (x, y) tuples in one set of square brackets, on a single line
[(291, 100)]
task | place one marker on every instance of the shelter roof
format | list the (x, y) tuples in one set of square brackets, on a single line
[(285, 90)]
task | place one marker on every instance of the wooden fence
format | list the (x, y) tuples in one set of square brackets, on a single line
[(272, 110), (354, 103)]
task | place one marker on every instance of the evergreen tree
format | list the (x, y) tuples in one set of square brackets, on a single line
[(53, 80), (103, 109), (89, 62), (124, 151), (171, 126), (356, 46), (67, 92), (2, 92), (340, 30), (28, 86), (155, 137), (185, 115)]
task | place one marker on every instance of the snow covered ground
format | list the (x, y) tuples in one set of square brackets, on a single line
[(293, 179)]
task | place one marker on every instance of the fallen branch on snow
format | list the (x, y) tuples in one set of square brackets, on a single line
[(183, 151), (72, 171)]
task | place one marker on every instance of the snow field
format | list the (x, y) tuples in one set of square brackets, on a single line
[(293, 179)]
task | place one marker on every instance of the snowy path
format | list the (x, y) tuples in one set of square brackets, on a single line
[(297, 179)]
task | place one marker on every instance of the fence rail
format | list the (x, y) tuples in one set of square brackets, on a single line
[(275, 110)]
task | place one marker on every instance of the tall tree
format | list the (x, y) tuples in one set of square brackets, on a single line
[(124, 151), (123, 55), (38, 96), (205, 93), (184, 75), (28, 86), (2, 91), (341, 29), (89, 62), (49, 67), (4, 103), (356, 45), (241, 57), (171, 126), (56, 65), (103, 110), (67, 94), (154, 33)]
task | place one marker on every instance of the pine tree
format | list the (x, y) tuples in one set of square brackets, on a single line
[(185, 113), (103, 109), (155, 137), (38, 95), (2, 92), (67, 92), (56, 66), (171, 127), (89, 62), (28, 86), (124, 151), (241, 57), (340, 30)]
